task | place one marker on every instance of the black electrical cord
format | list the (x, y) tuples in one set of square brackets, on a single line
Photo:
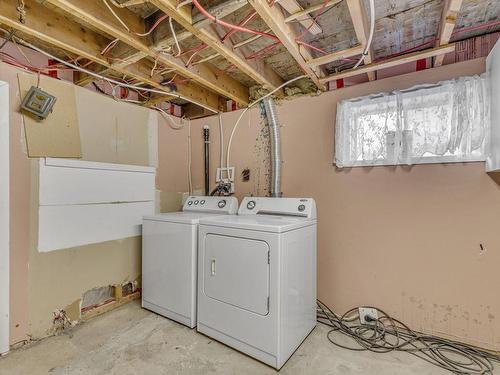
[(386, 334)]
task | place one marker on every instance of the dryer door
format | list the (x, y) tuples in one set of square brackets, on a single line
[(236, 272)]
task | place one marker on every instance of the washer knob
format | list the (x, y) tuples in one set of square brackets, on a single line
[(196, 202), (202, 201), (222, 203), (302, 208), (251, 205), (190, 203)]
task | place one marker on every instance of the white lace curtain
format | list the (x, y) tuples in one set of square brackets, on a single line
[(446, 122)]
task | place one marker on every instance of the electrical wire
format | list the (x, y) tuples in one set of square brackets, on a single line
[(228, 150), (384, 334), (307, 17), (170, 120), (175, 37), (116, 15), (110, 80), (229, 25), (221, 139), (155, 25), (190, 174), (370, 37)]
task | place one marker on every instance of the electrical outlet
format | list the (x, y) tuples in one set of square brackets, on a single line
[(365, 312)]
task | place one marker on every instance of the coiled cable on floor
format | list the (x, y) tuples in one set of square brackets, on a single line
[(386, 334)]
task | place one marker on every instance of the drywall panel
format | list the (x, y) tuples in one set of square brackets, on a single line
[(19, 210), (64, 182), (114, 131), (58, 135), (70, 273), (4, 217), (493, 69), (63, 227), (405, 239)]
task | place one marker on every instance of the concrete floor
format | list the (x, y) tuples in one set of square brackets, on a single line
[(130, 340)]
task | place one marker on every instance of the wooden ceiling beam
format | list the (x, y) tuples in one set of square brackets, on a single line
[(447, 25), (293, 7), (96, 15), (257, 70), (273, 17), (391, 62), (362, 29), (337, 55), (199, 21), (56, 30), (311, 9)]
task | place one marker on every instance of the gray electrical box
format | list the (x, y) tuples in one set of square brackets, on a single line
[(38, 102)]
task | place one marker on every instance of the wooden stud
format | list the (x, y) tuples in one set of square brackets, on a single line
[(337, 55), (273, 17), (99, 310), (411, 57), (118, 292), (447, 25), (362, 29), (97, 16)]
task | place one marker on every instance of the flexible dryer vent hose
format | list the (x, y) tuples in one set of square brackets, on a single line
[(274, 130)]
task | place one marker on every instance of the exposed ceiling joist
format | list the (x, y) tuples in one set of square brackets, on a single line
[(392, 62), (199, 21), (273, 17), (361, 28), (293, 7), (337, 55), (58, 31), (313, 8), (447, 25), (95, 14), (257, 70)]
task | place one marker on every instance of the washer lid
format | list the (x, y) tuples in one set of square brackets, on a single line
[(263, 223), (182, 217)]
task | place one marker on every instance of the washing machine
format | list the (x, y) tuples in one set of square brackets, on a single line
[(169, 256), (257, 277)]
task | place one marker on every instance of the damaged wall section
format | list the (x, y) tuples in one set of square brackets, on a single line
[(110, 131)]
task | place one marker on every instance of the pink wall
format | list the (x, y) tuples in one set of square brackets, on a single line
[(404, 239)]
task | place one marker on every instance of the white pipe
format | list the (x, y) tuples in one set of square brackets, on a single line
[(4, 218), (370, 37), (221, 139)]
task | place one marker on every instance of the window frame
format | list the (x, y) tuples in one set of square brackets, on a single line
[(432, 159)]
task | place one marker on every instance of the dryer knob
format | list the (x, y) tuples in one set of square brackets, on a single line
[(251, 205), (222, 203), (302, 208)]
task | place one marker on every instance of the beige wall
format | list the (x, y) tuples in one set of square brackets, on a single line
[(42, 282), (403, 239)]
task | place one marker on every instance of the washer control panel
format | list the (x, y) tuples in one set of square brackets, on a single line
[(301, 207), (227, 205)]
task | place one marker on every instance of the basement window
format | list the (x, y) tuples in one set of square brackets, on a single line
[(443, 123)]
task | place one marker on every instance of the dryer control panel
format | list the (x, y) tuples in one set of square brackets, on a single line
[(228, 205), (301, 207)]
